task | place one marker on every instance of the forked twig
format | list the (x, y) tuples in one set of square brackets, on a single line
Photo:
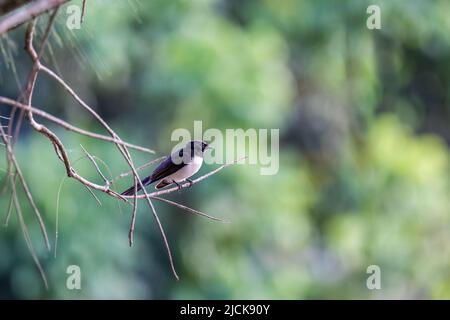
[(91, 158)]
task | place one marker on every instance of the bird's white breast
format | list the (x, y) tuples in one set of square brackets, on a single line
[(187, 171)]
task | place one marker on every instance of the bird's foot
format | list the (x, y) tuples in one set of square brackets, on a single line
[(178, 185), (190, 182)]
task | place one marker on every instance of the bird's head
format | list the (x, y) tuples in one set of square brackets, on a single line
[(198, 147)]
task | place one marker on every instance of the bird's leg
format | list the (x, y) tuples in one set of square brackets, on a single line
[(178, 185), (190, 182)]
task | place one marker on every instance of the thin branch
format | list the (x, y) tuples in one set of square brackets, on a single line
[(58, 196), (173, 203), (133, 216), (93, 195), (83, 11), (127, 157), (27, 236), (91, 158), (11, 204), (148, 164), (27, 93), (47, 31), (188, 184), (12, 159), (70, 127), (7, 178), (79, 100), (27, 12), (161, 230)]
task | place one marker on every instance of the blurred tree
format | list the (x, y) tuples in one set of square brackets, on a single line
[(364, 156)]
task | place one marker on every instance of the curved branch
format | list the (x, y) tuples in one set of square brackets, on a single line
[(70, 127), (27, 12)]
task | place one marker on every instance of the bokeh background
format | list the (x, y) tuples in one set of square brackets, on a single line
[(364, 152)]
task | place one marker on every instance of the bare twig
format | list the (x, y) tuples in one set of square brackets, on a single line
[(47, 31), (70, 127), (27, 237), (173, 203), (93, 195), (83, 11), (11, 204), (148, 164), (91, 158), (58, 196), (12, 159), (133, 216), (188, 184), (28, 92), (27, 12)]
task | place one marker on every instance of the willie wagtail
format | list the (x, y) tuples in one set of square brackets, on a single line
[(177, 167)]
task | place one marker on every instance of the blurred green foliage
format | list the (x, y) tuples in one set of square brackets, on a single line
[(364, 157)]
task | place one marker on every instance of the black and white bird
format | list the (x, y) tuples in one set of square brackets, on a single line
[(176, 168)]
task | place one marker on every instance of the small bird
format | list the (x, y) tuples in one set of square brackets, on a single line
[(177, 167)]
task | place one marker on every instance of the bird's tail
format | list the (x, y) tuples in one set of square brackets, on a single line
[(130, 191)]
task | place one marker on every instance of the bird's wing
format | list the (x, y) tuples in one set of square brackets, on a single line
[(167, 167)]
